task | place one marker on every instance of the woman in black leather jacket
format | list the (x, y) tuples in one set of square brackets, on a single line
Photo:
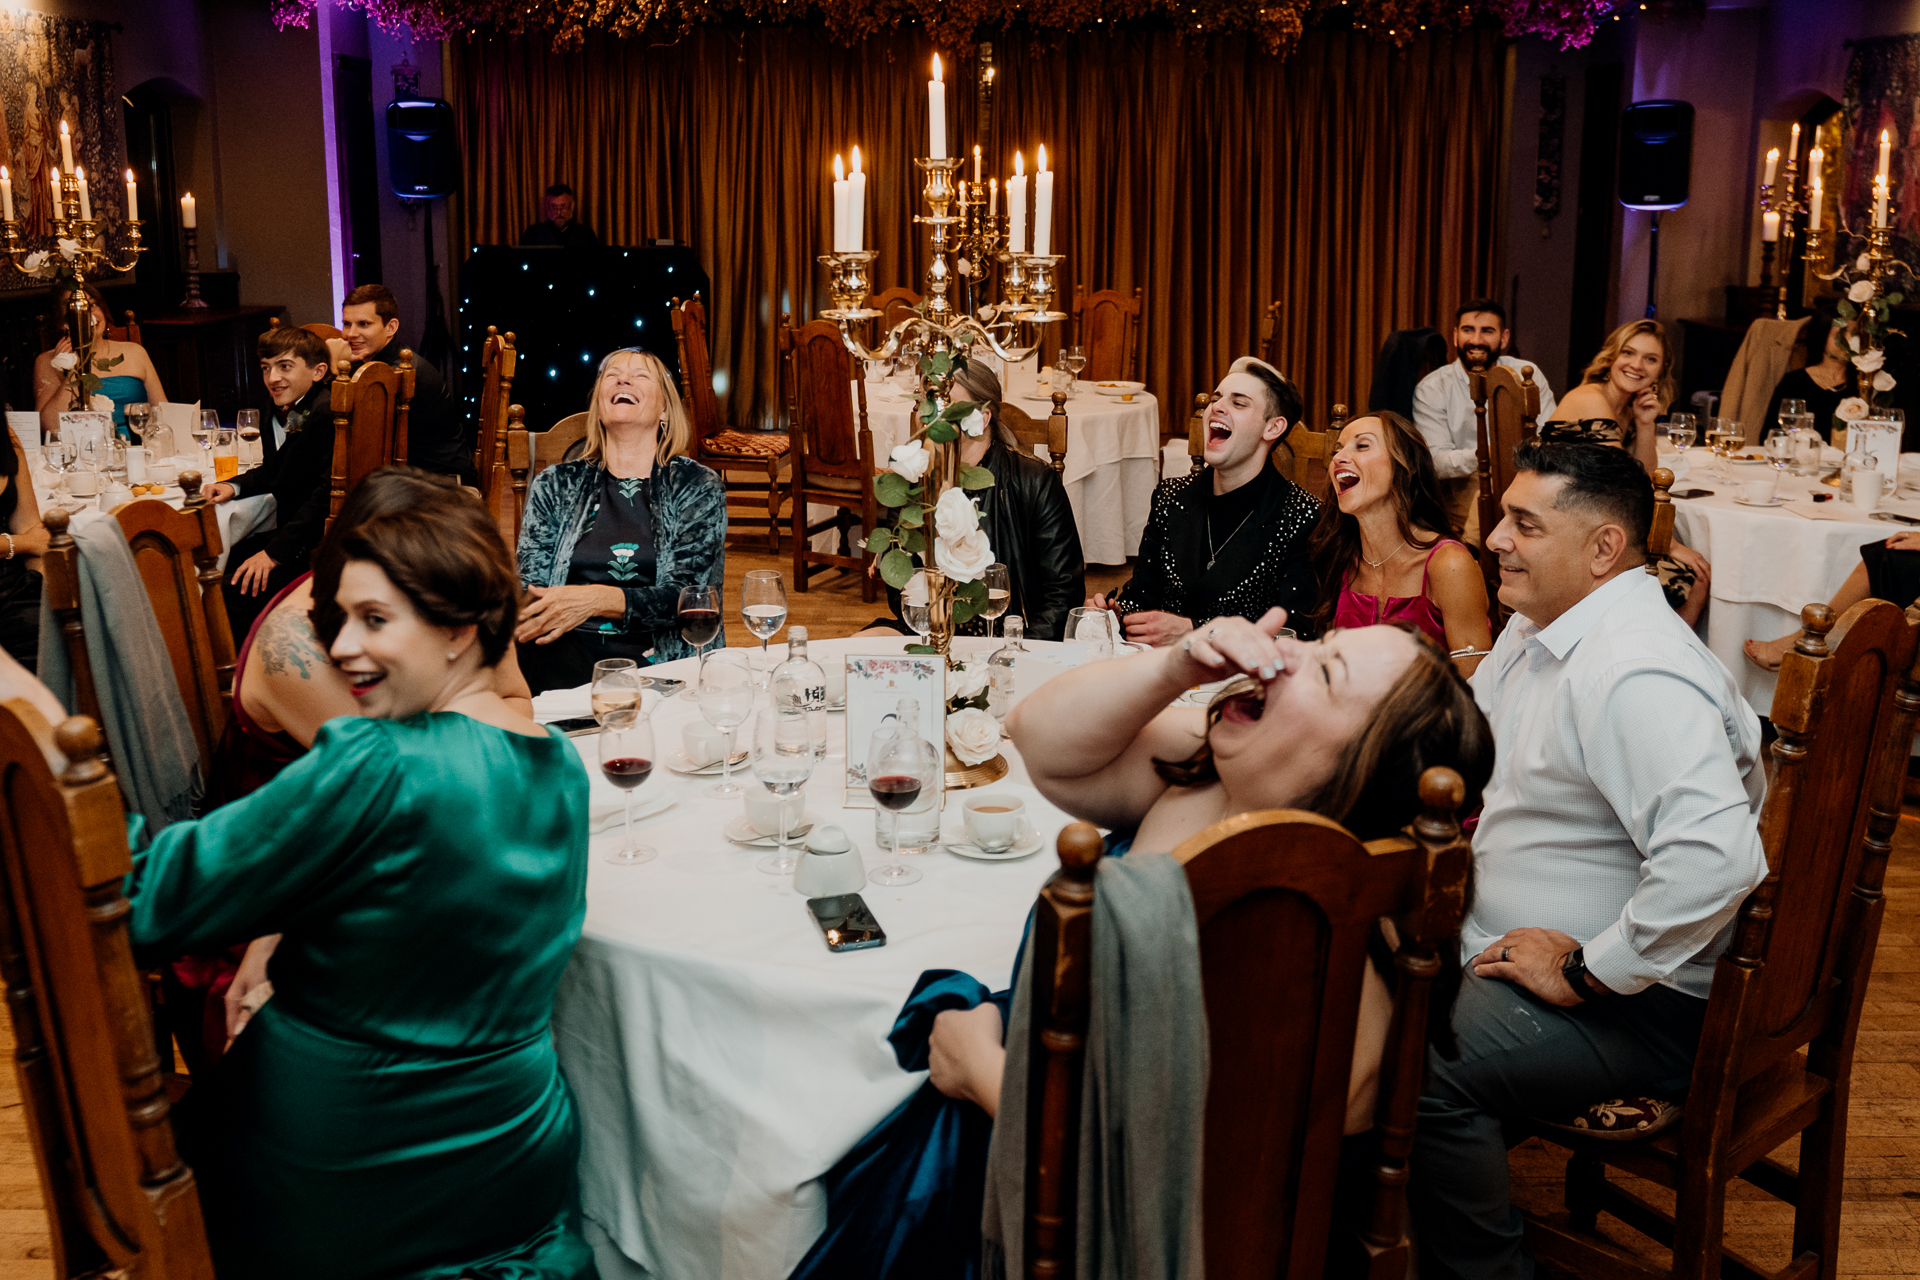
[(1028, 520)]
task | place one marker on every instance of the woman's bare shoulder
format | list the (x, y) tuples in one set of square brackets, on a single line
[(1583, 401)]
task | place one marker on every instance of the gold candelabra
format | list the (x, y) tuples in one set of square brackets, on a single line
[(90, 251), (1788, 205)]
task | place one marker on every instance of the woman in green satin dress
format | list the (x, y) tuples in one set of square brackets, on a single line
[(396, 1110)]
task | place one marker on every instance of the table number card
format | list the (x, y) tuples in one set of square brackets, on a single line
[(1879, 439), (875, 685), (86, 428)]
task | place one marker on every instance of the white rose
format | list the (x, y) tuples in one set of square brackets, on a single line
[(1863, 263), (1852, 409), (1860, 291), (974, 736), (1853, 341), (965, 558), (1883, 381), (35, 260), (68, 248), (65, 360), (954, 516), (974, 423), (1869, 361), (967, 681), (910, 461)]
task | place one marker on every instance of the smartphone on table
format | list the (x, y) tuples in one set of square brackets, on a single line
[(846, 922)]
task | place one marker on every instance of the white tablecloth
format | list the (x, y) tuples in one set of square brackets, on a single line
[(1112, 462), (1768, 563), (238, 519), (722, 1058)]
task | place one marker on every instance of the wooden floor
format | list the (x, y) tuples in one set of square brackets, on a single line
[(1880, 1232)]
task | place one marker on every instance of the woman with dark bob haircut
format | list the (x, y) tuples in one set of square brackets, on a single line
[(397, 1108)]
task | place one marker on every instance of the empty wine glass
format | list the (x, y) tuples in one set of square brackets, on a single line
[(1788, 415), (999, 594), (763, 604), (1095, 627), (900, 767), (60, 456), (626, 758), (726, 699), (784, 738), (138, 414), (1073, 360), (698, 613), (915, 610), (616, 691)]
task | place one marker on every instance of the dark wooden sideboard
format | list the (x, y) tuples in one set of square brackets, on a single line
[(209, 355)]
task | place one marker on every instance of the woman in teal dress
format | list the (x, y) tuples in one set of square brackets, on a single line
[(125, 371), (396, 1109)]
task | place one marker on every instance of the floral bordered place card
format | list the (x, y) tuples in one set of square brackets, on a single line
[(875, 685)]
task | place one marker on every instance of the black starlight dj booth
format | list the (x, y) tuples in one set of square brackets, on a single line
[(566, 309)]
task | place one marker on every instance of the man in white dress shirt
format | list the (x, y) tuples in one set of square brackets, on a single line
[(1443, 407), (1620, 835)]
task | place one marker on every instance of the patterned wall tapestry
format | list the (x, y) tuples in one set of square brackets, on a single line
[(1883, 92), (53, 69)]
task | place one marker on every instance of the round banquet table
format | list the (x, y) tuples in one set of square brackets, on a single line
[(1112, 464), (1770, 562), (238, 519), (721, 1057)]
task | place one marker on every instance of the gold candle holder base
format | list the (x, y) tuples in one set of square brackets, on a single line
[(961, 777), (849, 283), (1040, 290)]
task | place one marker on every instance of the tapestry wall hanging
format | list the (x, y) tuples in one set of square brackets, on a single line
[(54, 69), (1883, 92)]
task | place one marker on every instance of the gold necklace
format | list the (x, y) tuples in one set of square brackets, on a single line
[(1375, 564)]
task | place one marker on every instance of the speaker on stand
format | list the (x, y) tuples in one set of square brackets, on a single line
[(1656, 167), (423, 161)]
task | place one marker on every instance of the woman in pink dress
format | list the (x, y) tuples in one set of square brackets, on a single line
[(1381, 549)]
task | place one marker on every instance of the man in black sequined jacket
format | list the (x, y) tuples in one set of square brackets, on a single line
[(1228, 540)]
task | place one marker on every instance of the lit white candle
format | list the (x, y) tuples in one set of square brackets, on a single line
[(59, 210), (1880, 202), (1043, 207), (1819, 203), (133, 199), (1017, 206), (840, 192), (6, 193), (1793, 145), (86, 201), (1773, 161), (936, 114), (857, 204), (187, 217), (1769, 226), (976, 165), (993, 196), (1886, 154), (66, 148)]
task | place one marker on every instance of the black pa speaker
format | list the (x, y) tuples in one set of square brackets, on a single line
[(421, 156), (1656, 154)]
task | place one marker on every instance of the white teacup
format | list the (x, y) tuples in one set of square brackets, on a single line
[(162, 473), (763, 810), (995, 821), (836, 672), (83, 482), (1758, 491), (1867, 488), (704, 744)]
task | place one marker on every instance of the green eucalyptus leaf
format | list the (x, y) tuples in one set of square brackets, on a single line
[(891, 488), (957, 410), (1896, 298), (942, 433), (964, 611), (913, 540), (974, 478), (921, 648), (879, 540), (1845, 309), (896, 567), (976, 591), (927, 410), (911, 516)]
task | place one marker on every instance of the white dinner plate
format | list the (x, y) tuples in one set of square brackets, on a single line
[(682, 763), (1119, 388), (1776, 502), (740, 831), (1025, 847)]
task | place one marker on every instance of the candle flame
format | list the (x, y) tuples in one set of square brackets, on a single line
[(993, 184), (63, 127), (1019, 164), (54, 173), (839, 170), (4, 173), (129, 175), (1043, 157), (936, 66), (976, 151), (79, 173), (1773, 155), (856, 159), (1885, 137)]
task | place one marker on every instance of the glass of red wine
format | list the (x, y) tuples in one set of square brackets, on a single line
[(900, 767), (699, 617), (626, 758)]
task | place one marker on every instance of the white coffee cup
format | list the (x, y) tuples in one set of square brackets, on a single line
[(836, 673), (83, 482), (162, 473), (1867, 488), (763, 810), (995, 821), (1758, 491), (704, 744)]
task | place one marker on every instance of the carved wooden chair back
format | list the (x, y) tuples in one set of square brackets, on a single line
[(832, 445), (1197, 430), (118, 1198), (498, 358), (1505, 405), (531, 452), (1776, 1052), (1286, 902), (894, 305), (127, 331), (369, 424), (1302, 454), (696, 371), (759, 454), (1106, 325), (1030, 431)]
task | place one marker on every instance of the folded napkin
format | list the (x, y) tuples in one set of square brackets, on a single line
[(602, 818), (563, 704)]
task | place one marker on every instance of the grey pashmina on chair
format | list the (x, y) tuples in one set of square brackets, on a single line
[(1144, 1090)]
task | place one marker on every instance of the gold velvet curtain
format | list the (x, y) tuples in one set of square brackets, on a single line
[(1356, 183)]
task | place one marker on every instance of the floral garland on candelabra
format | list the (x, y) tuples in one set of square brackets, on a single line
[(60, 266), (1867, 313)]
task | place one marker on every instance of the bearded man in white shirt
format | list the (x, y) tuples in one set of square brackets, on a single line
[(1443, 407), (1620, 835)]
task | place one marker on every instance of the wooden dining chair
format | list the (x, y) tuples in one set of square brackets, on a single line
[(761, 454), (834, 463), (1106, 326), (1030, 431), (128, 330), (894, 305), (118, 1198), (531, 452), (1302, 454), (1286, 902), (1506, 405), (1776, 1053), (369, 424), (1197, 430), (498, 358)]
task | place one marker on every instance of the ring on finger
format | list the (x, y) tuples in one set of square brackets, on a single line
[(1504, 953)]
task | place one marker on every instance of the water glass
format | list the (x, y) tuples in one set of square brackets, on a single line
[(1779, 446), (1789, 413), (726, 700), (763, 604), (784, 739), (626, 760), (1680, 431), (138, 414), (1094, 627)]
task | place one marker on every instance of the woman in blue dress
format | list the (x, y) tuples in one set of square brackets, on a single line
[(125, 371)]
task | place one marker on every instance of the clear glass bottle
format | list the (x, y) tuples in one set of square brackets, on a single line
[(801, 678), (1000, 668)]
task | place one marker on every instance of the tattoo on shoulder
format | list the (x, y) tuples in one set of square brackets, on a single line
[(288, 645)]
